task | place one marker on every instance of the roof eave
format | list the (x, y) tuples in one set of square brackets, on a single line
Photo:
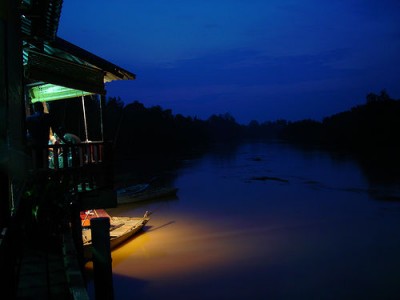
[(114, 72)]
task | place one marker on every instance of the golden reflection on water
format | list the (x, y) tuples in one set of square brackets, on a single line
[(170, 248), (178, 246)]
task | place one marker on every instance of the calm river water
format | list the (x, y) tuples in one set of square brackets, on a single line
[(267, 221)]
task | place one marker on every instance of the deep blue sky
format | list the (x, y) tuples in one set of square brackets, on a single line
[(254, 59)]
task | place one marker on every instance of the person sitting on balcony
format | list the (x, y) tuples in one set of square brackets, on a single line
[(70, 139)]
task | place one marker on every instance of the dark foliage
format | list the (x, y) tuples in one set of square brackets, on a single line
[(136, 129), (305, 131), (374, 125)]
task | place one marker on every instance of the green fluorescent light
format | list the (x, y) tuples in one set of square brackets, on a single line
[(51, 92)]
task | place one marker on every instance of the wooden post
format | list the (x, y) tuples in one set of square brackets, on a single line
[(76, 230), (101, 256)]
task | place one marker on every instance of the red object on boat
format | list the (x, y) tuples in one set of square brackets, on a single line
[(87, 215)]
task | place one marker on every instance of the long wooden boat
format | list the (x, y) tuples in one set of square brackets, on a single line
[(132, 189), (121, 229), (147, 193)]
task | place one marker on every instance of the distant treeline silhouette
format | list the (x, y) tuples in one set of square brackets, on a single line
[(136, 129), (376, 124)]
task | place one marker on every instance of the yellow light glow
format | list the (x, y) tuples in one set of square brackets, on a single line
[(186, 246)]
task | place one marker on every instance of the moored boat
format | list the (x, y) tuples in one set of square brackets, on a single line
[(121, 229), (132, 189), (148, 193)]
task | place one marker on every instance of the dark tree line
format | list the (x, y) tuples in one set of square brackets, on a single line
[(136, 129), (376, 124), (372, 125)]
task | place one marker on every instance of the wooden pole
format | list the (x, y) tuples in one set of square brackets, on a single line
[(84, 118), (101, 256), (76, 229)]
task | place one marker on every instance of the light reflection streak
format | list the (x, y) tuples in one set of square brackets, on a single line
[(189, 245), (186, 245)]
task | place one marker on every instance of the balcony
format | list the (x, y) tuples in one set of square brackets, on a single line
[(86, 167)]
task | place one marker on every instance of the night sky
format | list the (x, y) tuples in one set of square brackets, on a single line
[(255, 59)]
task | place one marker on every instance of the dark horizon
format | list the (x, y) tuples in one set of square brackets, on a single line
[(261, 121), (138, 129)]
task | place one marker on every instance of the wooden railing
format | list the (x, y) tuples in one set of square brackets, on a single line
[(63, 156), (88, 164)]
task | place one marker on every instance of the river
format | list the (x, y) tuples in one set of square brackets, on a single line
[(266, 221)]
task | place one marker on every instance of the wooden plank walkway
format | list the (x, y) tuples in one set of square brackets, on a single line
[(50, 271)]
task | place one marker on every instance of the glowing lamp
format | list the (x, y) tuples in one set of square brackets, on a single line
[(51, 92)]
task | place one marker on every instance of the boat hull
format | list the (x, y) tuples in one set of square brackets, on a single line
[(148, 194), (121, 230)]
